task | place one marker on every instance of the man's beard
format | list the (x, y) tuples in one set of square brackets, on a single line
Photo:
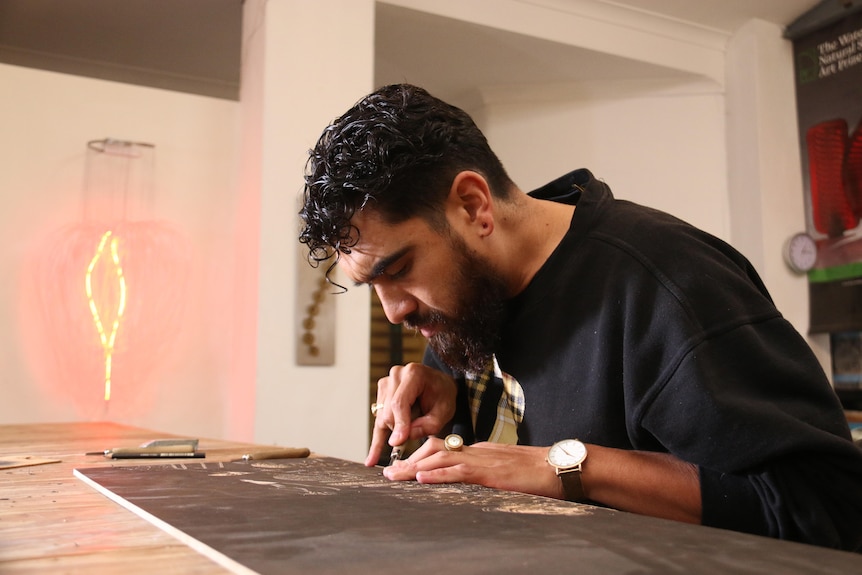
[(466, 340)]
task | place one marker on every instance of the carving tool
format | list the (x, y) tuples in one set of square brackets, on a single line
[(155, 448), (398, 450), (397, 453), (280, 453), (161, 454)]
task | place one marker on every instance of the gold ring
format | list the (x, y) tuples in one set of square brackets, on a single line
[(375, 407), (453, 442)]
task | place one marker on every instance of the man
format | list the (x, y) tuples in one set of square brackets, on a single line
[(649, 348)]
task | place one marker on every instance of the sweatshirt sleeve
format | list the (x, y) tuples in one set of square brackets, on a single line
[(771, 441), (811, 498)]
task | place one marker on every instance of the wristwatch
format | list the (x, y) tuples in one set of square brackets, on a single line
[(567, 458)]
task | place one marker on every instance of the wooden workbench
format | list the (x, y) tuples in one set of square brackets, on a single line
[(51, 522), (327, 516)]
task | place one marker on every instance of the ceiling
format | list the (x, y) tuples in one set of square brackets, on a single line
[(723, 15), (197, 42), (453, 58), (185, 45), (461, 62)]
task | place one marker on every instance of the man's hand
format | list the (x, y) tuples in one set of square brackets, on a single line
[(433, 391), (656, 484), (511, 467)]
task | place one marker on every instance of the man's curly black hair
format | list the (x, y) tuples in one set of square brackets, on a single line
[(397, 152)]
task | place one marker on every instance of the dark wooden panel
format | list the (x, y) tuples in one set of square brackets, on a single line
[(324, 515)]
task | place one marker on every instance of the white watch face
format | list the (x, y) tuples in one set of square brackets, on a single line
[(567, 453), (801, 252)]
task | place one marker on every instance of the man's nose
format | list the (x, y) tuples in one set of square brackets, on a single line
[(396, 303)]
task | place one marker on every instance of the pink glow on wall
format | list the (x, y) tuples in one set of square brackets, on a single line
[(71, 354), (104, 298)]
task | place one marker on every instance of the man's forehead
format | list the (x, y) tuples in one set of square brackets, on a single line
[(379, 244), (372, 232), (369, 232)]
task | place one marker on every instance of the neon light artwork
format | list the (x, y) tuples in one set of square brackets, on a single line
[(102, 304), (103, 296)]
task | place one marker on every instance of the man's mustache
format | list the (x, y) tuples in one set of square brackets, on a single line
[(416, 321)]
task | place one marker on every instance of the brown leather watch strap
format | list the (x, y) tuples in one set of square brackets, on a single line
[(572, 487)]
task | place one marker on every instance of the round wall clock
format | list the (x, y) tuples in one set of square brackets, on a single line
[(800, 252)]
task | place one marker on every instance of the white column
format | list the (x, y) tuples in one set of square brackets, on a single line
[(765, 181), (305, 63)]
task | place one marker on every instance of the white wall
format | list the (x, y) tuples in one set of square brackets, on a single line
[(47, 119), (303, 89), (656, 143), (228, 175), (765, 177)]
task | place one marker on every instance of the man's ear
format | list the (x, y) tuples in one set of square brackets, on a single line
[(470, 202)]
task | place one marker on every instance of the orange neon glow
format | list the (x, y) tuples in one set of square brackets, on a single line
[(107, 340), (105, 289), (65, 351)]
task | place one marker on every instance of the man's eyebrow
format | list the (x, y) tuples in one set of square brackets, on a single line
[(380, 267)]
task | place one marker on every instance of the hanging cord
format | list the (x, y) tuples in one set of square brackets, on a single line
[(117, 147), (125, 152)]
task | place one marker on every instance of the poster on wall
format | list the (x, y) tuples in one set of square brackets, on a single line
[(828, 72)]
